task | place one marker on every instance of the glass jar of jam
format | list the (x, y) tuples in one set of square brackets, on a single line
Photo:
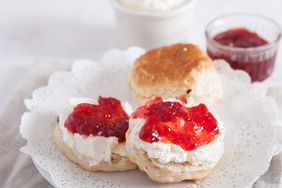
[(246, 41)]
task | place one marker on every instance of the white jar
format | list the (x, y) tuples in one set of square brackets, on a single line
[(149, 29)]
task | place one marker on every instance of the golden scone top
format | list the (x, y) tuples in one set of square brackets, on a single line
[(169, 64)]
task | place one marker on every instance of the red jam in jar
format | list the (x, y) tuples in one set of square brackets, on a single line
[(172, 122), (240, 37), (258, 63), (107, 119)]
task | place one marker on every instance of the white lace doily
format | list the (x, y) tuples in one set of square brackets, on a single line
[(250, 119)]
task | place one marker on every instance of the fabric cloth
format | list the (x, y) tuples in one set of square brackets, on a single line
[(17, 169)]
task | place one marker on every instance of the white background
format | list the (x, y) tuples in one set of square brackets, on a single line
[(37, 31)]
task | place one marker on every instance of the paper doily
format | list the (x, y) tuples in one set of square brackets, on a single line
[(250, 119)]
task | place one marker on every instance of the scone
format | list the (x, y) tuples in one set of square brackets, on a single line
[(93, 135), (173, 71), (173, 140)]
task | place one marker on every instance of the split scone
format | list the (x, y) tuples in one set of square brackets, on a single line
[(173, 71), (93, 135), (173, 141)]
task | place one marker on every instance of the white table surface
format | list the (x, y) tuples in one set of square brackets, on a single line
[(34, 31)]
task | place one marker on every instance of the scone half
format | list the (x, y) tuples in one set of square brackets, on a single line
[(84, 138), (116, 162), (163, 160)]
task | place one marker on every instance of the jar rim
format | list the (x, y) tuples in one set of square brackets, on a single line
[(161, 15), (265, 47)]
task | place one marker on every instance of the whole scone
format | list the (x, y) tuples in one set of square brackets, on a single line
[(172, 143), (173, 71)]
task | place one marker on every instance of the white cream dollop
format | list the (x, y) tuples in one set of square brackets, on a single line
[(95, 148), (166, 153), (151, 5)]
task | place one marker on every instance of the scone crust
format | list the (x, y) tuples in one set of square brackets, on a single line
[(173, 71), (170, 172), (118, 163), (168, 65)]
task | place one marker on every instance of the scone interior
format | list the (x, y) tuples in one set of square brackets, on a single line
[(173, 71), (169, 150), (93, 135)]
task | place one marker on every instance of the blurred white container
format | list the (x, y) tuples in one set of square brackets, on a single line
[(154, 28)]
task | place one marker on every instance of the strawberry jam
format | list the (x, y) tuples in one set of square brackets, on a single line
[(107, 119), (258, 63), (172, 122), (240, 37)]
